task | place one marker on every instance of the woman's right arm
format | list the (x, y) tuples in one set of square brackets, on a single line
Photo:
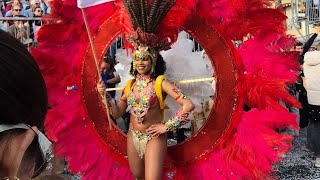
[(117, 109)]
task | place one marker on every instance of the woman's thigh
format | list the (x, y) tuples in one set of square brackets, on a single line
[(154, 158), (135, 162)]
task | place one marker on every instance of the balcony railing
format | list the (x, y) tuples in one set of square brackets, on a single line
[(305, 15), (312, 11), (24, 28)]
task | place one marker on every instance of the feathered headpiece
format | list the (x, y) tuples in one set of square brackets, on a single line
[(145, 20), (146, 17)]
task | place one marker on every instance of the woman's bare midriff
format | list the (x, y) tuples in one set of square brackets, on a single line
[(152, 117)]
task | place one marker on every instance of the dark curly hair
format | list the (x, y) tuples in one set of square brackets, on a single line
[(109, 60), (160, 68)]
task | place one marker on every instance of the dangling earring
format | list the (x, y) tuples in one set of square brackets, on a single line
[(134, 66)]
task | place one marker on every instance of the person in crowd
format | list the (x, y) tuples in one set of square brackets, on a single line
[(113, 49), (306, 47), (10, 3), (45, 5), (33, 5), (9, 9), (27, 4), (2, 8), (35, 24), (302, 93), (19, 31), (23, 108), (2, 24), (16, 12), (109, 75), (298, 47), (311, 82), (4, 2), (37, 12)]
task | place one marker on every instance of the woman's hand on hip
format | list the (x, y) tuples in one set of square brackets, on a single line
[(155, 130)]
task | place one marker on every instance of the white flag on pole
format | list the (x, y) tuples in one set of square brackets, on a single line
[(88, 3)]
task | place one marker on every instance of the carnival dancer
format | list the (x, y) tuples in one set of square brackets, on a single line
[(147, 139)]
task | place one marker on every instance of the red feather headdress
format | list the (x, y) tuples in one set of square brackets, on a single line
[(154, 23)]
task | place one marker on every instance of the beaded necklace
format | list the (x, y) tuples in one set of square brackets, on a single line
[(142, 81)]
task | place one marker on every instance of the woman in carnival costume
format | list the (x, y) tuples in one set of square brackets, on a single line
[(147, 140), (232, 144)]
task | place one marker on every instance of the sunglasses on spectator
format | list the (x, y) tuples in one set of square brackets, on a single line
[(39, 10), (18, 10)]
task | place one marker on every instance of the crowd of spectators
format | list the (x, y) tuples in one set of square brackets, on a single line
[(24, 30)]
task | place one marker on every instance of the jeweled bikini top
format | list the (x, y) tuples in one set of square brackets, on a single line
[(140, 108)]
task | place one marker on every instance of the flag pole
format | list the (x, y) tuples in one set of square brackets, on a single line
[(104, 100)]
